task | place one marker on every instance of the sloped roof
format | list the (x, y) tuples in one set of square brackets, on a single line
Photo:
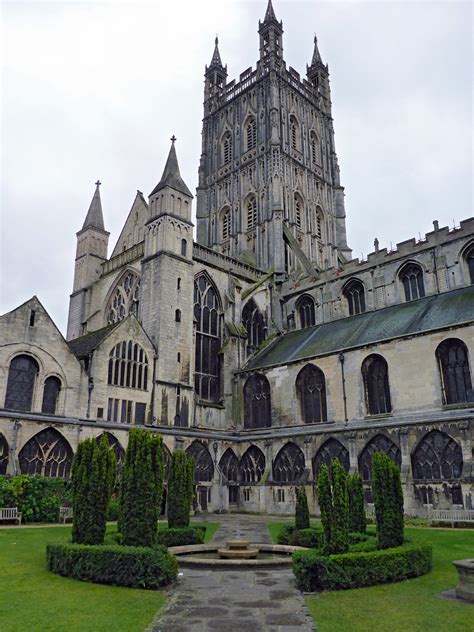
[(83, 346), (171, 176), (426, 314), (94, 215)]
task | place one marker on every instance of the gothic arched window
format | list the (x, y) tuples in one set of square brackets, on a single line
[(252, 465), (124, 299), (128, 366), (413, 283), (299, 210), (21, 382), (377, 389), (52, 386), (251, 208), (257, 403), (437, 457), (306, 310), (184, 247), (227, 148), (294, 132), (203, 465), (229, 466), (225, 224), (331, 449), (311, 390), (318, 228), (380, 443), (251, 134), (355, 295), (469, 258), (47, 454), (207, 316), (314, 148), (116, 446), (254, 324), (288, 466), (453, 359), (3, 455)]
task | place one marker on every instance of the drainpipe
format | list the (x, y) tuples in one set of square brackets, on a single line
[(90, 386), (343, 378), (152, 399)]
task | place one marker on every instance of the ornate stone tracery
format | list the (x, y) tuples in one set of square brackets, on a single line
[(379, 443), (289, 466), (331, 449), (229, 466), (437, 457), (124, 299), (47, 454), (203, 465), (252, 465)]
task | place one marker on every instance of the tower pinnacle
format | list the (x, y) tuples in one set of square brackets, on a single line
[(94, 217), (216, 57), (270, 13), (316, 56), (171, 176)]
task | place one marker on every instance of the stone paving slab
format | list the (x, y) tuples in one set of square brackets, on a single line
[(226, 600)]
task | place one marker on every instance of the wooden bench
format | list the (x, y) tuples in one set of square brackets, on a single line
[(451, 515), (10, 513), (65, 513)]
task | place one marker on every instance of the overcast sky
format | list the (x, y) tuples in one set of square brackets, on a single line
[(95, 90)]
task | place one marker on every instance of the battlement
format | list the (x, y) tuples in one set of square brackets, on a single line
[(214, 258), (127, 256)]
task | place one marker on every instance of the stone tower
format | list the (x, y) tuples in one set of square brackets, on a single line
[(91, 252), (167, 290), (269, 190)]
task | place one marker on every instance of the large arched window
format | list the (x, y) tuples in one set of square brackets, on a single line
[(124, 299), (128, 366), (252, 465), (227, 148), (294, 132), (311, 391), (377, 389), (207, 316), (411, 276), (299, 210), (203, 465), (379, 443), (469, 258), (251, 133), (254, 324), (47, 454), (331, 449), (257, 403), (3, 455), (21, 382), (52, 387), (116, 446), (355, 295), (288, 466), (251, 212), (318, 222), (314, 148), (225, 223), (306, 310), (453, 359), (437, 457), (229, 466)]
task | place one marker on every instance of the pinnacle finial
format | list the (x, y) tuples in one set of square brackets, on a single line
[(173, 139), (98, 183)]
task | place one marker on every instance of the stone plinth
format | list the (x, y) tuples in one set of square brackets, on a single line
[(465, 587)]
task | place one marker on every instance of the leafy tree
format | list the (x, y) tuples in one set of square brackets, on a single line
[(301, 510), (180, 489), (141, 488), (388, 501), (93, 473), (357, 519), (325, 504)]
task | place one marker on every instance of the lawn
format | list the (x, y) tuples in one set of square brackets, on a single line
[(412, 605), (33, 599)]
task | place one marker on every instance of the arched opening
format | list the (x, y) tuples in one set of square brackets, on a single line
[(331, 449), (299, 210), (116, 446), (3, 455), (288, 466), (453, 361), (469, 259), (252, 465), (208, 320), (124, 298), (203, 465), (379, 443), (376, 385), (184, 247), (354, 293), (314, 148), (128, 366), (251, 133), (225, 223), (52, 387), (47, 454), (226, 148), (306, 311), (251, 212), (412, 279), (254, 324), (437, 457), (21, 383), (319, 222), (257, 403), (311, 391), (229, 466), (294, 133)]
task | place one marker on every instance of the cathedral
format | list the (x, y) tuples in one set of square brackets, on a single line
[(257, 343)]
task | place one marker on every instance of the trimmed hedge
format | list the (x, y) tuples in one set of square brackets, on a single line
[(181, 537), (135, 567), (314, 571), (311, 537)]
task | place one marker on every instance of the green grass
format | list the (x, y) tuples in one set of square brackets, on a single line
[(409, 606)]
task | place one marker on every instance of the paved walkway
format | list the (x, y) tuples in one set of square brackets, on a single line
[(217, 600)]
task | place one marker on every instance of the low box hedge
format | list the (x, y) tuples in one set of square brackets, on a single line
[(312, 537), (314, 571), (135, 567), (181, 536)]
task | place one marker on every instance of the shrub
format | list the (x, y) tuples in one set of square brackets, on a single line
[(339, 542), (93, 475), (314, 571), (355, 490), (141, 488), (181, 536), (113, 510), (355, 538), (301, 510), (285, 536), (325, 503), (180, 489), (134, 567), (38, 498), (311, 538), (388, 501)]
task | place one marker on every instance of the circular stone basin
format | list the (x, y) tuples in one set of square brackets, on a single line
[(238, 554), (206, 555), (237, 544)]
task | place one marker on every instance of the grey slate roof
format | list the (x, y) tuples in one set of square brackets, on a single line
[(426, 314), (94, 215), (171, 176), (83, 346)]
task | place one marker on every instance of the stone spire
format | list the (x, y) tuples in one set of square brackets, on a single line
[(316, 56), (269, 14), (216, 57), (171, 176), (94, 217)]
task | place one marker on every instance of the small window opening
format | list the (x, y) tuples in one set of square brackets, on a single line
[(32, 318), (183, 247), (100, 413), (179, 357), (177, 315), (178, 285)]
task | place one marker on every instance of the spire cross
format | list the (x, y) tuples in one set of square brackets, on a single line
[(173, 139), (98, 183)]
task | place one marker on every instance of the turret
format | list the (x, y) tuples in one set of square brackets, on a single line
[(215, 77), (318, 77), (271, 39)]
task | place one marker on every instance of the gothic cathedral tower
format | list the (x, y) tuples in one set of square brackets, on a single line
[(269, 190)]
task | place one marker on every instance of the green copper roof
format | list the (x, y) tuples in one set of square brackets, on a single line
[(426, 314)]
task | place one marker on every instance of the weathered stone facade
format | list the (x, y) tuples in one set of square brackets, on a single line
[(262, 347)]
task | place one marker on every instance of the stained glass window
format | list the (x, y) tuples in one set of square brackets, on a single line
[(311, 390), (413, 283), (257, 403), (52, 386), (128, 366), (377, 389), (254, 324), (453, 359), (21, 382), (124, 299), (208, 320), (355, 295)]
